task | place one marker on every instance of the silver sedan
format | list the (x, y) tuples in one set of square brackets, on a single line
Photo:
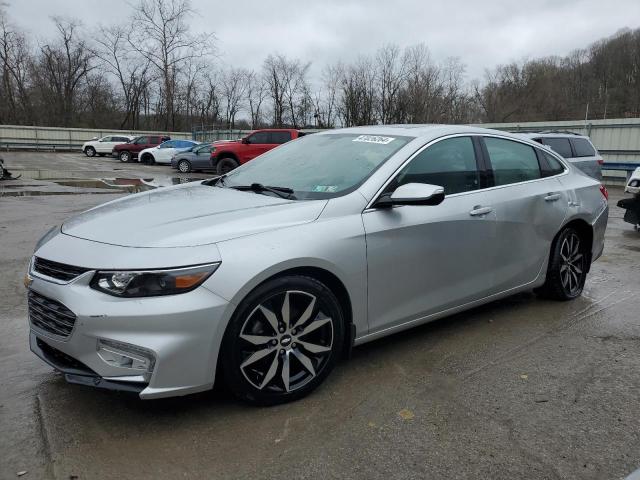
[(269, 274)]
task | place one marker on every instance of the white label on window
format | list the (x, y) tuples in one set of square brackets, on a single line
[(374, 139)]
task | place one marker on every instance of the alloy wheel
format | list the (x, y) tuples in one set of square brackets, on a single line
[(183, 166), (572, 269), (286, 342), (90, 152), (125, 156)]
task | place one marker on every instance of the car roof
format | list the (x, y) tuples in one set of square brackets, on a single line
[(425, 131)]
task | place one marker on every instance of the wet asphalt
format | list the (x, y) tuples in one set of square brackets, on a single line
[(520, 388)]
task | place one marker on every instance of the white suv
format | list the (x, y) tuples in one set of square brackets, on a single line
[(103, 146), (576, 148)]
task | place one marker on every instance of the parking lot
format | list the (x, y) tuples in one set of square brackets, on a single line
[(519, 388)]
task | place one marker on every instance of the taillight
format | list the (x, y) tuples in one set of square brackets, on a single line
[(600, 161), (604, 192)]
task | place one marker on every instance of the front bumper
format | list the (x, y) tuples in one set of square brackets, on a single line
[(183, 333)]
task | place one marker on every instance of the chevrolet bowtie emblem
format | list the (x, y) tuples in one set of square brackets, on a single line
[(28, 280)]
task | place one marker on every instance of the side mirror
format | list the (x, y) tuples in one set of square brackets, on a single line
[(246, 141), (412, 194)]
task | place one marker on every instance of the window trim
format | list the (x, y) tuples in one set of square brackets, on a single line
[(549, 151), (369, 207)]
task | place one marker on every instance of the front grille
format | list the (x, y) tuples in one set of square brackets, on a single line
[(49, 315), (56, 270)]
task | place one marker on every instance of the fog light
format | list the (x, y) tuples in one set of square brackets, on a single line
[(123, 355)]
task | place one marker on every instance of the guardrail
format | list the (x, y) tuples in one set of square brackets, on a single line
[(20, 137)]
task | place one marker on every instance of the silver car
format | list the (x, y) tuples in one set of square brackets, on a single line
[(269, 274)]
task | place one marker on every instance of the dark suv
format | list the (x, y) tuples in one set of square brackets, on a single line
[(129, 151)]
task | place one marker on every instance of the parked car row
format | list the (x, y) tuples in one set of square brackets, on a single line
[(188, 155)]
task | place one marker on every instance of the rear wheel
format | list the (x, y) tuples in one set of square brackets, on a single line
[(567, 271), (90, 152), (184, 166), (125, 157), (225, 165), (283, 340)]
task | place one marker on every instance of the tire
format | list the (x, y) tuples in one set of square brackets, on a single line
[(184, 166), (265, 366), (225, 165), (148, 159), (90, 152), (567, 270), (125, 156)]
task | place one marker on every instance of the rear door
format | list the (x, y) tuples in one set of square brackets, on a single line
[(530, 208)]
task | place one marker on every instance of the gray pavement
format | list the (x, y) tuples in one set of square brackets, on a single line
[(521, 388)]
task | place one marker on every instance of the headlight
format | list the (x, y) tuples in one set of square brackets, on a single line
[(151, 283), (47, 236), (213, 149)]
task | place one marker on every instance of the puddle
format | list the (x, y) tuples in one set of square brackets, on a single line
[(92, 186)]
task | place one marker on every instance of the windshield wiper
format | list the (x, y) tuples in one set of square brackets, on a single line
[(283, 192)]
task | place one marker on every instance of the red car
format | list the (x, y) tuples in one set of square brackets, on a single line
[(128, 151), (228, 155)]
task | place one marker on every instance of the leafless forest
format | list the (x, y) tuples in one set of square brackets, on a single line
[(160, 75)]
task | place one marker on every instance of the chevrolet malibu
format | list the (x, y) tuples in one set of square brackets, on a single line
[(265, 276)]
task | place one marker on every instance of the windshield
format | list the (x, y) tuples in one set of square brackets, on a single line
[(319, 166)]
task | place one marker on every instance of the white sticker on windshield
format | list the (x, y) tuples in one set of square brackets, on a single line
[(374, 139)]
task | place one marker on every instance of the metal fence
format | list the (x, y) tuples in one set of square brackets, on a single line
[(53, 138)]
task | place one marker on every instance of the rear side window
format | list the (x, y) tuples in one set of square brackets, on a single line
[(512, 162), (259, 137), (583, 147), (553, 166), (280, 137), (560, 145), (449, 163)]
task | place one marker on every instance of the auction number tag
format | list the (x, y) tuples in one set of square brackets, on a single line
[(374, 139)]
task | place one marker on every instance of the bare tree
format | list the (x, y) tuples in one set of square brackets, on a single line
[(257, 91), (62, 67), (234, 85), (161, 34), (130, 69), (15, 56)]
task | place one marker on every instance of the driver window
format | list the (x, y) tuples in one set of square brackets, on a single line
[(141, 141), (450, 163), (106, 139)]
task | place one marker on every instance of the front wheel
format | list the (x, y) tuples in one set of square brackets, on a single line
[(90, 152), (225, 165), (567, 271), (283, 340), (125, 157)]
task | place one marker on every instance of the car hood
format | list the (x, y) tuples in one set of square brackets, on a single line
[(188, 215)]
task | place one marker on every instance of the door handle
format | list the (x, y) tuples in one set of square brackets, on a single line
[(478, 211), (552, 197)]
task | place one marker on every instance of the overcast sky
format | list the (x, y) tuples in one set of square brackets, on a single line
[(482, 33)]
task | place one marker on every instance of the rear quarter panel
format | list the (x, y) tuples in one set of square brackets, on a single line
[(587, 203)]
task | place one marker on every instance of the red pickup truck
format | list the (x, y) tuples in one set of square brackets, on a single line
[(126, 152), (228, 155)]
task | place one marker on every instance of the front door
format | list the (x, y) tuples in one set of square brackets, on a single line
[(258, 144), (426, 259)]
